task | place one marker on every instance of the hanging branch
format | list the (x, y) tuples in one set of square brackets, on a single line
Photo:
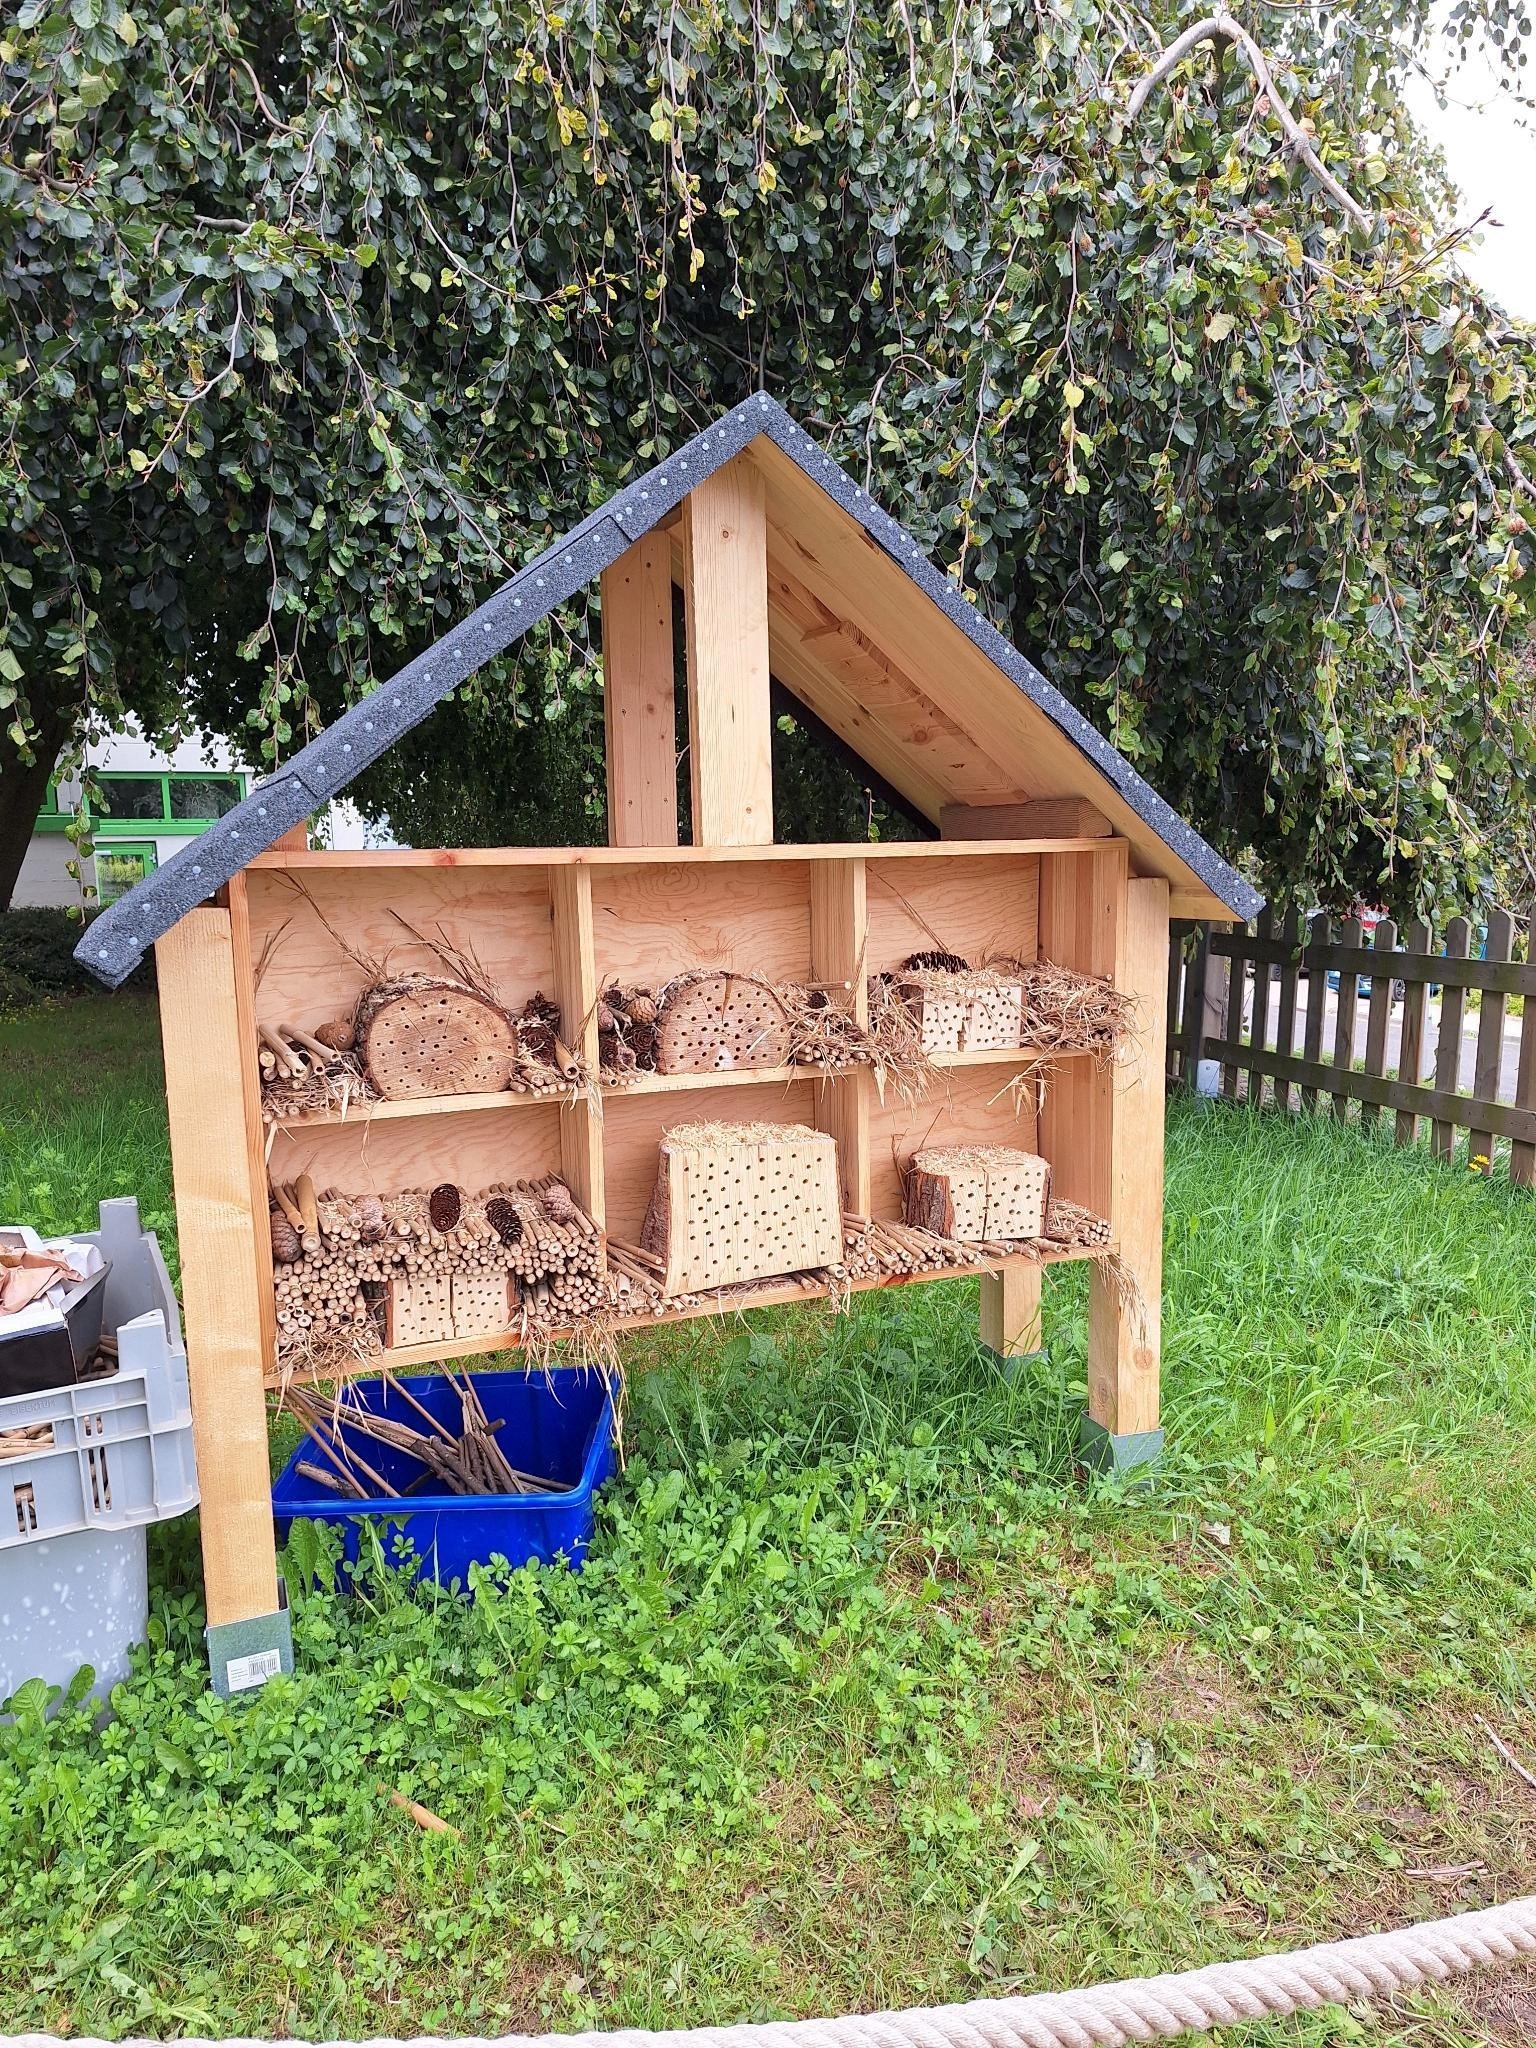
[(1223, 27)]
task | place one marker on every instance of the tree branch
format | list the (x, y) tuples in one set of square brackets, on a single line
[(1222, 27)]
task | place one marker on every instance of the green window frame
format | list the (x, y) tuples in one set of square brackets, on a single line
[(133, 860), (50, 818), (171, 784)]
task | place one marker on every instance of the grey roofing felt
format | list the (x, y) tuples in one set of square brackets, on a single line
[(117, 940)]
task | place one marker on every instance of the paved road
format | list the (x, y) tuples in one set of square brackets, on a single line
[(1508, 1058)]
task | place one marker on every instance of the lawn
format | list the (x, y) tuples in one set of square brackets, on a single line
[(865, 1698)]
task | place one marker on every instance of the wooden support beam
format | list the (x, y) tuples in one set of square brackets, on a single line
[(639, 720), (725, 588), (222, 1286), (1046, 817), (581, 1123), (839, 949), (1010, 1310), (1125, 1308)]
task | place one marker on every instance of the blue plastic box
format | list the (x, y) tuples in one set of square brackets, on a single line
[(558, 1425)]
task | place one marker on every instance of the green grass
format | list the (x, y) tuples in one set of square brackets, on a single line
[(865, 1698)]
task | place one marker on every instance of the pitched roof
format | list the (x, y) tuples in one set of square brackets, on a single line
[(117, 940)]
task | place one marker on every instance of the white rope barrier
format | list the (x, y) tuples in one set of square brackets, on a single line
[(1104, 2016)]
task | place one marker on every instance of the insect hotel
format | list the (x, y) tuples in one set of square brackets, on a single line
[(436, 1103)]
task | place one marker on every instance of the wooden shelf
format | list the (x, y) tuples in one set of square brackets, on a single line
[(770, 1294), (1020, 1056), (361, 859)]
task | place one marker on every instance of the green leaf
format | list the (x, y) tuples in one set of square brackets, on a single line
[(365, 255), (1219, 326), (10, 667)]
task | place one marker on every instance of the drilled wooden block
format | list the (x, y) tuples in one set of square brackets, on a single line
[(744, 1202), (978, 1191), (481, 1304), (967, 1018), (418, 1310)]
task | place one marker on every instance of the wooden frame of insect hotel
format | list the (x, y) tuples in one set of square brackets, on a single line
[(431, 1104)]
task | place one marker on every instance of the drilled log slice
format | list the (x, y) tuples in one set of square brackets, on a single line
[(713, 1023), (978, 1191), (431, 1037)]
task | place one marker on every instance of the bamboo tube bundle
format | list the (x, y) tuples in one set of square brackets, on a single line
[(1069, 1224), (303, 1073)]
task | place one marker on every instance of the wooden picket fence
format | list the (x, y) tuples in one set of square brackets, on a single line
[(1274, 980)]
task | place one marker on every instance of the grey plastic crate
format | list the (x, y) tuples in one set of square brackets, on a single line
[(73, 1512), (122, 1447)]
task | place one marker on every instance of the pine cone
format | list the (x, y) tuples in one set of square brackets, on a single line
[(286, 1246), (368, 1215), (944, 963), (536, 1040), (445, 1205), (642, 1044), (560, 1203), (338, 1034), (504, 1220), (641, 1005)]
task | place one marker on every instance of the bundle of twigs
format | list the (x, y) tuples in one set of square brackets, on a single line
[(876, 1248), (824, 1033), (896, 1042), (1069, 1012), (1068, 1224), (305, 1072), (467, 1462), (335, 1254)]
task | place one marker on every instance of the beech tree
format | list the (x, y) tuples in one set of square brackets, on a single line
[(318, 321)]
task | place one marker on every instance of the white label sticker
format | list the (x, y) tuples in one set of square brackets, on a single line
[(244, 1672)]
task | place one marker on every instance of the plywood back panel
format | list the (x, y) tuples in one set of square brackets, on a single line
[(966, 1106), (633, 1127), (651, 921), (308, 977), (981, 907), (474, 1149)]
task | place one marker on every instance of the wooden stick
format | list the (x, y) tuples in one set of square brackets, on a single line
[(286, 1203), (282, 1052), (423, 1816), (309, 1209)]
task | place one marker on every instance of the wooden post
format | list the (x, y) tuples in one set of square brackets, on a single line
[(725, 588), (222, 1287), (581, 1125), (1288, 927), (1522, 1156), (1125, 1308), (1490, 1036), (1453, 1010), (1259, 1034), (1319, 933), (639, 721), (1379, 1013), (1410, 1058), (1345, 1018), (839, 945), (1010, 1310)]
